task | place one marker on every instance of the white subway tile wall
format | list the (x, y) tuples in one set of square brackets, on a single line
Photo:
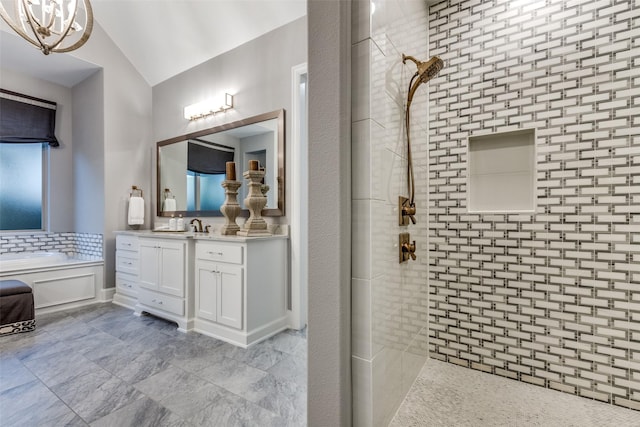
[(389, 299), (74, 244), (553, 297)]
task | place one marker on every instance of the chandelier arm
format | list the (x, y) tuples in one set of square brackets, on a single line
[(15, 27), (32, 21), (52, 17), (85, 35), (28, 13), (67, 28)]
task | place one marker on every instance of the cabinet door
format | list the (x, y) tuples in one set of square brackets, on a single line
[(230, 295), (171, 268), (206, 294), (148, 265)]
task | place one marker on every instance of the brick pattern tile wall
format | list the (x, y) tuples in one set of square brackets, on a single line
[(84, 245), (550, 297)]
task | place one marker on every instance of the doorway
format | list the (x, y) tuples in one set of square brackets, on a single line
[(299, 196)]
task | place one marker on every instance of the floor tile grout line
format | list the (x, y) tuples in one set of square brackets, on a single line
[(52, 392)]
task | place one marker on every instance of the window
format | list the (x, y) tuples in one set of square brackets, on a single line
[(21, 172), (203, 191), (27, 130)]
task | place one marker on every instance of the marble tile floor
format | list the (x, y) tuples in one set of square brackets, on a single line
[(448, 395), (102, 366)]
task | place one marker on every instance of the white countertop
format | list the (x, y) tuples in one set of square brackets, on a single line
[(164, 234)]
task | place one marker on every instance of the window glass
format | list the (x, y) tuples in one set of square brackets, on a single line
[(21, 186), (211, 198), (203, 191)]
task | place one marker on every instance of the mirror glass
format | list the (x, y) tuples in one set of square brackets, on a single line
[(191, 167)]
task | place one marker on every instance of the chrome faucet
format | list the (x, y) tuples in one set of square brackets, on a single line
[(196, 228)]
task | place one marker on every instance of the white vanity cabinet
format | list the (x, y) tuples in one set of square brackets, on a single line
[(165, 279), (240, 288), (127, 270), (162, 266), (219, 293)]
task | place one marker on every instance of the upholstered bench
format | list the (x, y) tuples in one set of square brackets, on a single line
[(17, 313)]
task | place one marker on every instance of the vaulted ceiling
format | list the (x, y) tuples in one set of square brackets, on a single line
[(161, 38)]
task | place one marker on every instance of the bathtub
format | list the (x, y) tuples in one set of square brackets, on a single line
[(58, 281), (21, 261)]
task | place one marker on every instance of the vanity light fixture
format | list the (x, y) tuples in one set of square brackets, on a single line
[(208, 107), (51, 25)]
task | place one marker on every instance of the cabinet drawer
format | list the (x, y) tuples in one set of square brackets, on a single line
[(127, 284), (219, 252), (127, 262), (162, 302), (127, 243)]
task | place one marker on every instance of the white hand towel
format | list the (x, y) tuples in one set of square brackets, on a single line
[(169, 205), (136, 210)]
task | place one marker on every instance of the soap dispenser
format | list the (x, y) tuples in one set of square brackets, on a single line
[(180, 223), (172, 223)]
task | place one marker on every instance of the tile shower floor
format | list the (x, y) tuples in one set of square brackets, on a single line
[(102, 366), (448, 395)]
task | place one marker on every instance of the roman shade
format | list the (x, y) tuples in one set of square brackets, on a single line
[(203, 158), (24, 119)]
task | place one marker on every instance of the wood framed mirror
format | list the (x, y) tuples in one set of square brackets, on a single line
[(190, 168)]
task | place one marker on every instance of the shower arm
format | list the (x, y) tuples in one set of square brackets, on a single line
[(412, 87), (410, 210), (425, 72)]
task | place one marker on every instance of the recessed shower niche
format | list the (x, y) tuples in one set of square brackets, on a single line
[(502, 172)]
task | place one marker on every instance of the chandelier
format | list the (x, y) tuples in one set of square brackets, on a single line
[(51, 25)]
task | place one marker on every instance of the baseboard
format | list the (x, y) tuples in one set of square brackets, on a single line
[(107, 294)]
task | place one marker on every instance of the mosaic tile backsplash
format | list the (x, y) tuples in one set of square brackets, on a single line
[(74, 244), (550, 297)]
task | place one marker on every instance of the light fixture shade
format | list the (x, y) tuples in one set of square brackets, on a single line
[(50, 25), (208, 107)]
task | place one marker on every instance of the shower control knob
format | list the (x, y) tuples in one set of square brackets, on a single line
[(406, 211), (410, 248), (407, 247), (410, 211)]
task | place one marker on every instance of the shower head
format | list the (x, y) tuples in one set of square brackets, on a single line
[(426, 71)]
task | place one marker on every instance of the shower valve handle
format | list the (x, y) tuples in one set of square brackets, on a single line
[(410, 211), (410, 248)]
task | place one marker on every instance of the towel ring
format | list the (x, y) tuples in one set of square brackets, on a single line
[(135, 191)]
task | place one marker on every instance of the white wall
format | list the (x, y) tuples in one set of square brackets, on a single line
[(60, 189), (329, 379), (174, 163), (257, 73), (258, 144), (127, 134), (88, 159)]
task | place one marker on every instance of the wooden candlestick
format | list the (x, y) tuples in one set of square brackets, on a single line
[(253, 165), (230, 208), (255, 202)]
